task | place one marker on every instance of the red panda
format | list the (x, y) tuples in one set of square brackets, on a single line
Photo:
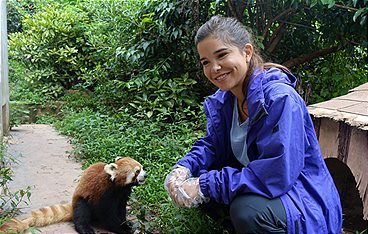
[(100, 199)]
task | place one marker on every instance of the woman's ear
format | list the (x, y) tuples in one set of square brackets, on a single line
[(248, 50)]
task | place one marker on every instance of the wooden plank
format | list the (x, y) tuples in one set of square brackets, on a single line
[(328, 138), (360, 96), (360, 109), (335, 104), (317, 125), (358, 164), (344, 141)]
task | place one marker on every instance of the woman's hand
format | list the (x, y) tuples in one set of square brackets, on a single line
[(189, 193), (183, 189), (176, 177)]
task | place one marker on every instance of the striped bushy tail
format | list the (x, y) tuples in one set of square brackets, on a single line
[(39, 218)]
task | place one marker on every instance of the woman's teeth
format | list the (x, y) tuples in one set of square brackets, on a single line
[(222, 77)]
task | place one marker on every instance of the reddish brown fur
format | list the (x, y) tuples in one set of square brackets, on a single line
[(93, 183)]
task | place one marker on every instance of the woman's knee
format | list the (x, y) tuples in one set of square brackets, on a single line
[(256, 214), (243, 213)]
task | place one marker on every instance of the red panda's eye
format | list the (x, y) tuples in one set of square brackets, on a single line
[(137, 171)]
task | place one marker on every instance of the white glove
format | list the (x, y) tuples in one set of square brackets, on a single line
[(189, 193), (176, 177)]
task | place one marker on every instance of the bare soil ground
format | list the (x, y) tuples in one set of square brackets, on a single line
[(43, 162)]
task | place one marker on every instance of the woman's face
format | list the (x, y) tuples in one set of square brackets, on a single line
[(224, 65)]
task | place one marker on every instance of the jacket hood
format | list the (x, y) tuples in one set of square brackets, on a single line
[(259, 82), (261, 79)]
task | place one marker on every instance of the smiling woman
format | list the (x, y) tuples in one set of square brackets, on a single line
[(259, 162)]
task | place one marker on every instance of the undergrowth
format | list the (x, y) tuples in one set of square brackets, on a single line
[(9, 199), (101, 136)]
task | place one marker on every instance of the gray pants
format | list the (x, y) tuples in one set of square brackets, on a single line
[(250, 213)]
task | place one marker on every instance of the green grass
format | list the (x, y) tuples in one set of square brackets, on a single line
[(99, 136)]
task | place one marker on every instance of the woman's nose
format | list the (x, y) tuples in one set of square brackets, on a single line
[(216, 67)]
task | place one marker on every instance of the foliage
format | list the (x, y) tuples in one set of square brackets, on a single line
[(52, 47), (333, 76), (166, 99), (102, 137), (129, 83), (22, 90), (18, 115), (9, 200), (294, 32), (360, 7), (362, 232), (15, 11), (94, 44)]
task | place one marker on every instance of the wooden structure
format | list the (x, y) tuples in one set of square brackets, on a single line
[(341, 125), (4, 84)]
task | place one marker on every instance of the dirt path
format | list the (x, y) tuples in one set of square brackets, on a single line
[(45, 165)]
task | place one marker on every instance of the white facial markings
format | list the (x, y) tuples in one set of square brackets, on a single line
[(117, 158), (111, 170), (130, 178), (130, 170), (141, 178)]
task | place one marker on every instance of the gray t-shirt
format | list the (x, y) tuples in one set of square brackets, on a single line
[(238, 136)]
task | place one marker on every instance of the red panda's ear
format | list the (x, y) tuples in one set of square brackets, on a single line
[(117, 158), (111, 170)]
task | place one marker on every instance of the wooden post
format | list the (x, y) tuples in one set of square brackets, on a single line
[(4, 83)]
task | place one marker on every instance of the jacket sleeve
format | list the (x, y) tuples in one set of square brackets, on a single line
[(207, 150), (281, 142)]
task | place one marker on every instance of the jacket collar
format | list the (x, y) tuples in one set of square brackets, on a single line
[(258, 83)]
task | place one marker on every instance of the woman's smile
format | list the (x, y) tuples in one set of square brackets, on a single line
[(222, 77)]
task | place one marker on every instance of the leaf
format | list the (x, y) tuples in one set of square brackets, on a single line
[(313, 3), (355, 2), (363, 20), (145, 45), (331, 4), (149, 114), (357, 14)]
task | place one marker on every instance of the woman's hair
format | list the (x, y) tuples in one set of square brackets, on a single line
[(233, 32)]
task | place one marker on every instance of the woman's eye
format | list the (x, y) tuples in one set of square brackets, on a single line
[(204, 63), (221, 55)]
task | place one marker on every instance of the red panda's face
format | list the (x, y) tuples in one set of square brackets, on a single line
[(126, 171)]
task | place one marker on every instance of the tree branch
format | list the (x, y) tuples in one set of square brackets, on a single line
[(276, 38), (308, 57), (269, 24), (346, 7), (237, 9)]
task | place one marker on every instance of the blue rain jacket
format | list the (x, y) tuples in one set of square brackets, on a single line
[(285, 158)]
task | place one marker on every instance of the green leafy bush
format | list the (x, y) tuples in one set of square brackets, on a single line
[(9, 200), (165, 99), (52, 47)]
